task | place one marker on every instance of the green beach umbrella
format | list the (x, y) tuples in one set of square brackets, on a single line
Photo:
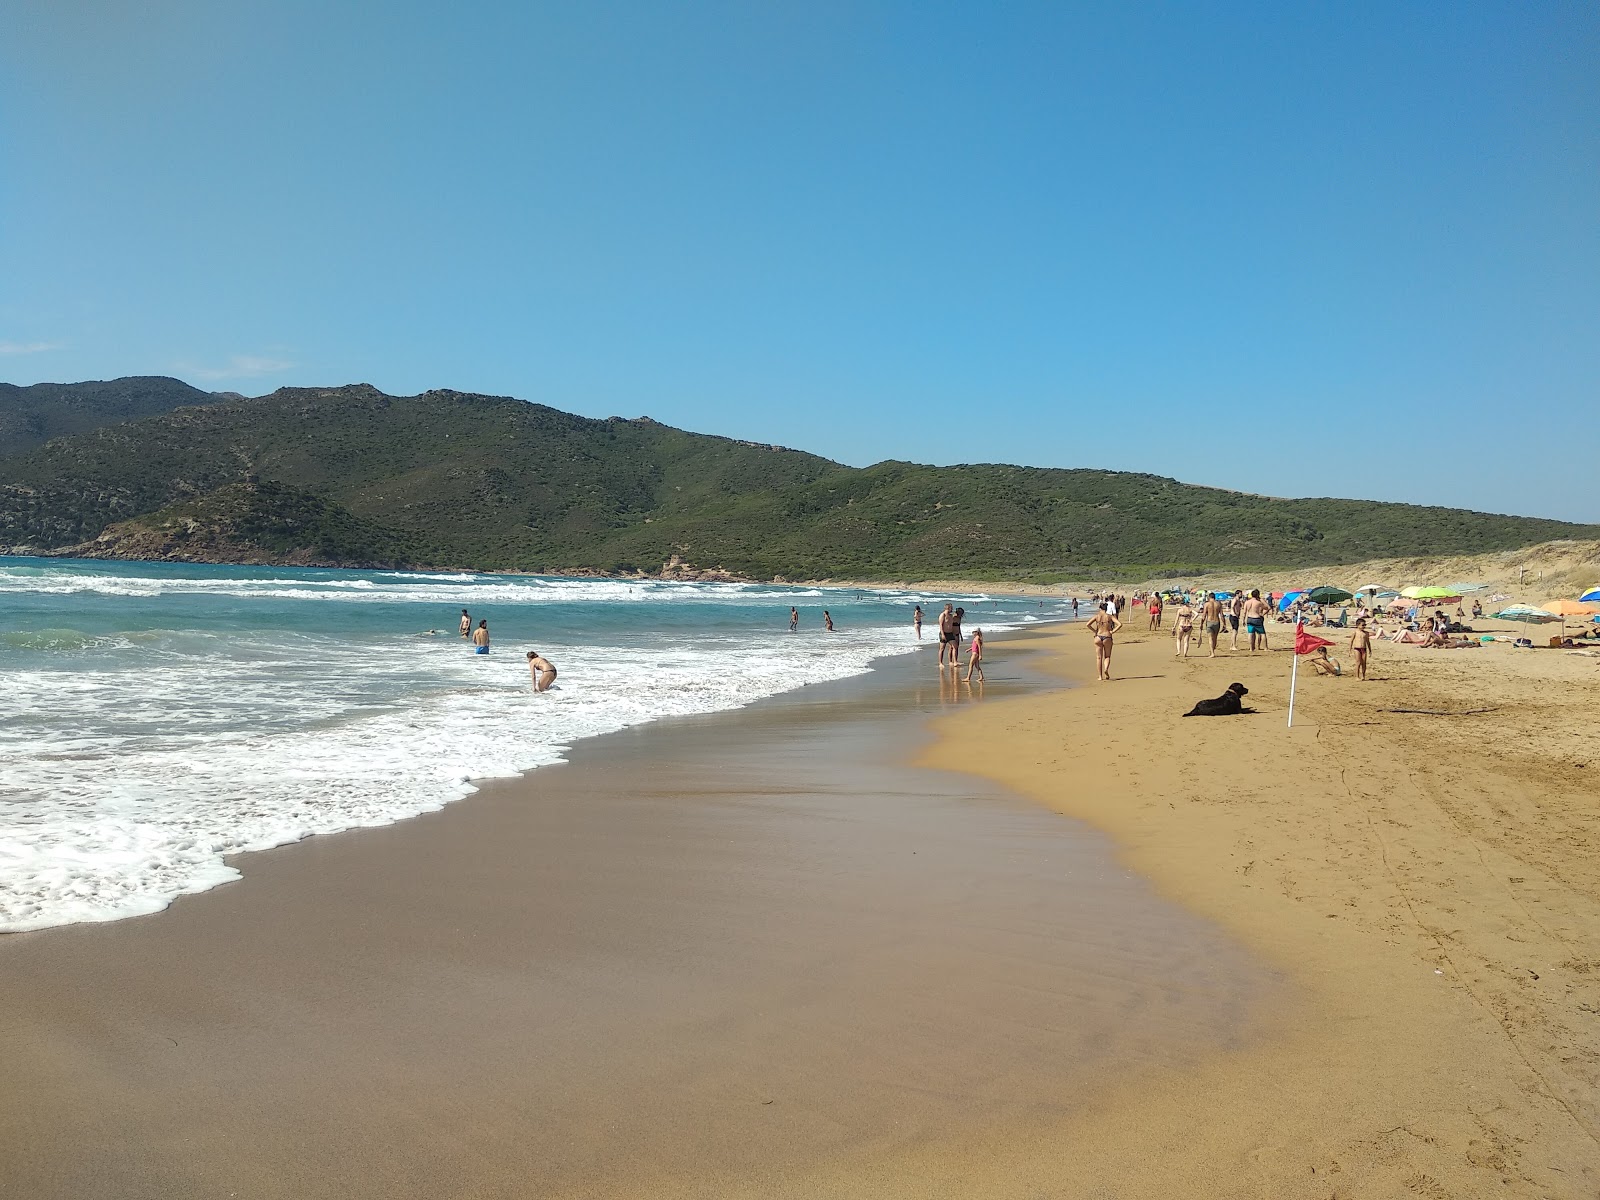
[(1327, 594), (1527, 613)]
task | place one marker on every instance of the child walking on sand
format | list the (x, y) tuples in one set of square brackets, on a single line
[(975, 657)]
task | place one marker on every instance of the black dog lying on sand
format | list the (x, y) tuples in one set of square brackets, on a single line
[(1225, 705)]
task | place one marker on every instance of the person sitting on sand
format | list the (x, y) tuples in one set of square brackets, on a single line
[(1361, 646), (975, 657), (542, 670), (1325, 665), (480, 638)]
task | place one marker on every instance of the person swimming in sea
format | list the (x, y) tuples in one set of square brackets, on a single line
[(542, 670), (480, 638)]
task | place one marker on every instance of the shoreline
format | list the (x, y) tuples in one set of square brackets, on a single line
[(711, 954), (1428, 890)]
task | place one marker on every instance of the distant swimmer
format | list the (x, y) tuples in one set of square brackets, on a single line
[(480, 638), (542, 670), (916, 620), (794, 619), (827, 621), (466, 624)]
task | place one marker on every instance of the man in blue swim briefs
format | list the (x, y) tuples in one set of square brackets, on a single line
[(480, 638)]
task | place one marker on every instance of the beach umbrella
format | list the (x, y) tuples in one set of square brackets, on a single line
[(1428, 593), (1592, 596), (1526, 613), (1374, 588), (1288, 599), (1327, 594), (1569, 608)]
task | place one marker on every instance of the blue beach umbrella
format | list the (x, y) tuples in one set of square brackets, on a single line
[(1592, 596), (1288, 599)]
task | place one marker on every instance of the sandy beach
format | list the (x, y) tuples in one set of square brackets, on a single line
[(1427, 882), (848, 943), (710, 956)]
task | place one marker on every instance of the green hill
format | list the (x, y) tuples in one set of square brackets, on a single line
[(31, 416), (450, 479)]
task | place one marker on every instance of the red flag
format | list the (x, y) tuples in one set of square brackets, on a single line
[(1307, 643)]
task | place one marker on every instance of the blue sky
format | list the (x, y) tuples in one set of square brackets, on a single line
[(1292, 249)]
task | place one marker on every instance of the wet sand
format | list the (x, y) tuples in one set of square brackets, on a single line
[(749, 954), (1417, 855)]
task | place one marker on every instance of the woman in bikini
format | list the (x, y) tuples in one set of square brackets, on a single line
[(1103, 626)]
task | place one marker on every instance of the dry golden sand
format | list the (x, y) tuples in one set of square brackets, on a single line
[(1429, 882)]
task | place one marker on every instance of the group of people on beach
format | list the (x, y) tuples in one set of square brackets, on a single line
[(1212, 612), (540, 669), (950, 640)]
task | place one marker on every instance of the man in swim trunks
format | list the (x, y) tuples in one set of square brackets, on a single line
[(1255, 619), (542, 670), (1211, 614), (794, 619), (466, 624), (480, 638), (946, 619), (1235, 607)]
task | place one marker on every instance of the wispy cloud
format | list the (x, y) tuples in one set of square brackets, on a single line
[(29, 347), (240, 366)]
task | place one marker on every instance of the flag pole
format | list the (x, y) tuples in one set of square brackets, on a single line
[(1294, 674)]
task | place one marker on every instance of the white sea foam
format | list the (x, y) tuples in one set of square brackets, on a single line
[(134, 760)]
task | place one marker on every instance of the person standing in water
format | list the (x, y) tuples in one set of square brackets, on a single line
[(794, 619), (480, 638), (542, 670), (975, 657), (466, 623), (827, 621), (916, 620), (945, 618)]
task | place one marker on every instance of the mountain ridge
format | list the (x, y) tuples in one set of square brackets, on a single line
[(461, 479)]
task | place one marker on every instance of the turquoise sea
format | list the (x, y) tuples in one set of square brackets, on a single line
[(155, 717)]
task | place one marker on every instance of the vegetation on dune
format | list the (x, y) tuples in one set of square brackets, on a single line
[(450, 479)]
